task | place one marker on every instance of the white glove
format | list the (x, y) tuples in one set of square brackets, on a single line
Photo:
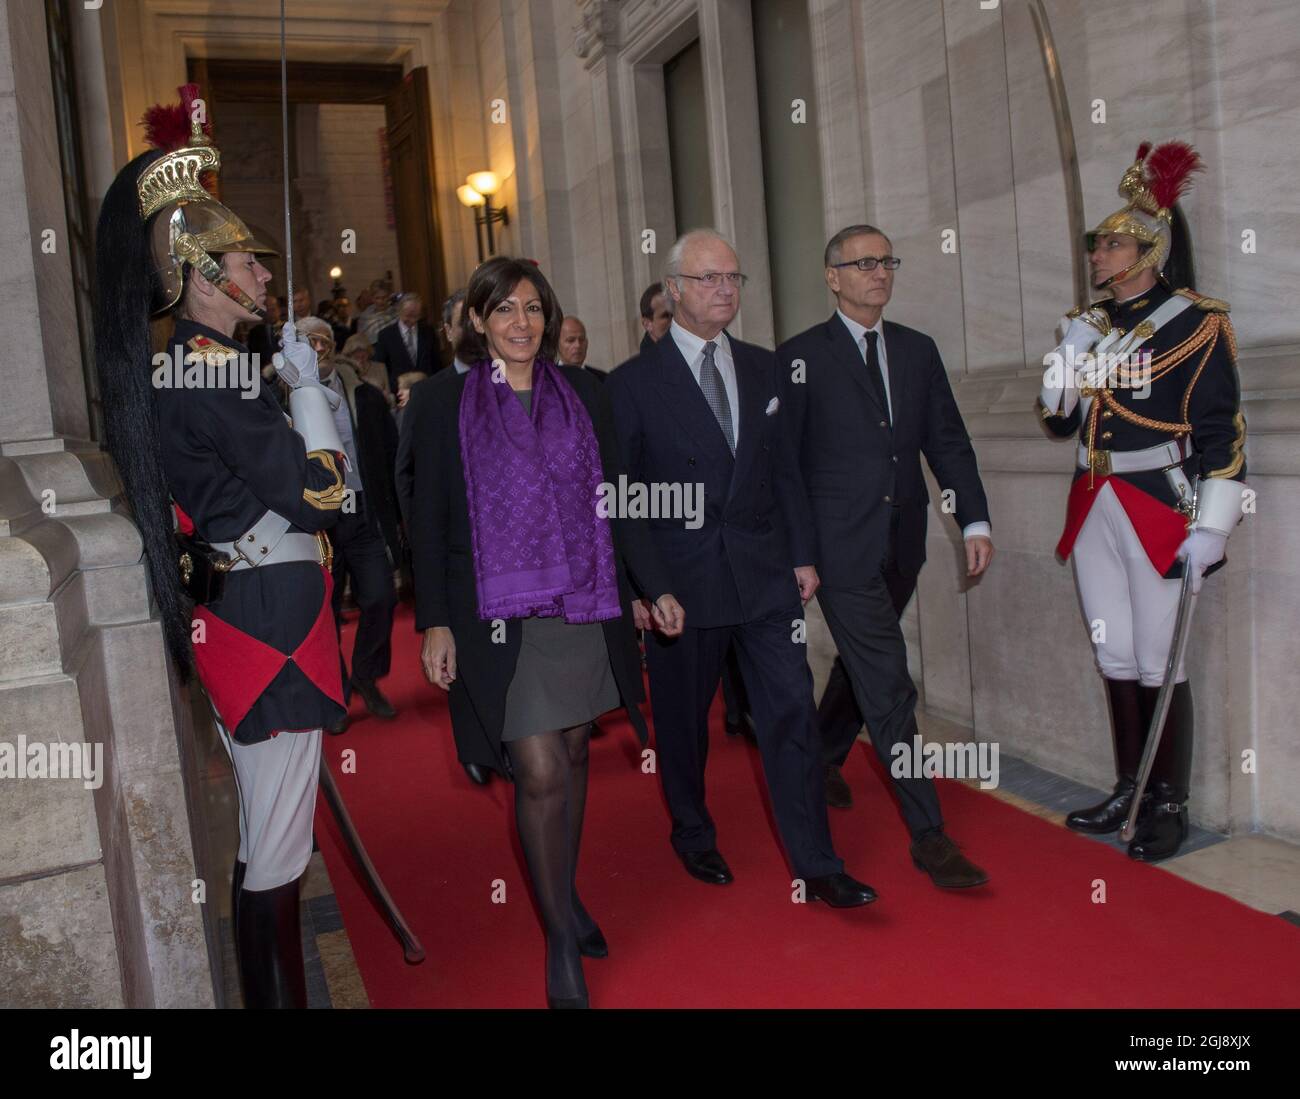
[(297, 365), (1080, 334), (1201, 549), (1060, 380)]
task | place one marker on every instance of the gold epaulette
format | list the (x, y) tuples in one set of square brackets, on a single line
[(1079, 311), (1206, 305), (210, 351)]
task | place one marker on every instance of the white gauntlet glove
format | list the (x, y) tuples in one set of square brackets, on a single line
[(1200, 550), (297, 365), (1082, 334), (311, 404)]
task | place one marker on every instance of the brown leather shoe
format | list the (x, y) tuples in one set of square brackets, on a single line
[(838, 794), (948, 868)]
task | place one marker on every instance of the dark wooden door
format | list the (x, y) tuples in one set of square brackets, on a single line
[(410, 155)]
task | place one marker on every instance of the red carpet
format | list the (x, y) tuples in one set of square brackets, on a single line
[(1032, 938)]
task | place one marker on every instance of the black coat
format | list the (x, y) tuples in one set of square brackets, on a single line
[(857, 466), (445, 592), (390, 349), (738, 564)]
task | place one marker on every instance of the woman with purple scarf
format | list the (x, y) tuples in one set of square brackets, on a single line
[(522, 583)]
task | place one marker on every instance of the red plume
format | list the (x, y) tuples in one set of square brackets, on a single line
[(1167, 170), (168, 127), (1143, 149)]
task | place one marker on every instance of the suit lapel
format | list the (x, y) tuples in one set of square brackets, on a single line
[(849, 359), (751, 393), (683, 394)]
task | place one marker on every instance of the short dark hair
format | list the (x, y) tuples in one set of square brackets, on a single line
[(648, 299), (489, 286), (834, 253), (449, 306)]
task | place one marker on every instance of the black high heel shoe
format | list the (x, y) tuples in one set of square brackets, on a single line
[(582, 1000)]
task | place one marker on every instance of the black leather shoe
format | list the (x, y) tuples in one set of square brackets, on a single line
[(1106, 816), (708, 866), (593, 944), (478, 775), (840, 891), (838, 794), (340, 726), (374, 699), (1162, 829), (942, 859)]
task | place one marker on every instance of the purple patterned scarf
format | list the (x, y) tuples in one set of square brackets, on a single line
[(532, 481)]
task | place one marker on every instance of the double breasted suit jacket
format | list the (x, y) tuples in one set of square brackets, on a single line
[(738, 566), (857, 466), (442, 553)]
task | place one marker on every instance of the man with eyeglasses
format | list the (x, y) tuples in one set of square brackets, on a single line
[(867, 398), (700, 407)]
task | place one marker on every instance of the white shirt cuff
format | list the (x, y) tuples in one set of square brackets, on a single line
[(977, 530)]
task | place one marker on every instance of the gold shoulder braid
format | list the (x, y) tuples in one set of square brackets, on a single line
[(1203, 339), (326, 499)]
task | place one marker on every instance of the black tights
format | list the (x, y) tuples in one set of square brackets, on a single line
[(550, 771)]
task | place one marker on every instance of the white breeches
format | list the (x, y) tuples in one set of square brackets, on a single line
[(276, 781), (1130, 608)]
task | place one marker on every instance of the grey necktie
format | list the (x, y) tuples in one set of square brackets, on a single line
[(716, 394), (410, 344)]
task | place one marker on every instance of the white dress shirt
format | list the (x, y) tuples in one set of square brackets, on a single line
[(692, 348), (859, 334), (458, 366)]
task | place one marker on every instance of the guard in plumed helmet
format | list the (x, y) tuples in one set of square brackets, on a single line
[(232, 502), (1145, 380)]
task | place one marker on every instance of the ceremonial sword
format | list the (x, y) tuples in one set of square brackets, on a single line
[(1069, 153), (411, 947)]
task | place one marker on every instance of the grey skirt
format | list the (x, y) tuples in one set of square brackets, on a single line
[(563, 678)]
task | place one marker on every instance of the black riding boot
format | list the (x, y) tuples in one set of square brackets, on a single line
[(1128, 733), (268, 938), (1163, 826)]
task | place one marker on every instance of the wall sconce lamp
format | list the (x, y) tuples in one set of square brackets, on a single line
[(475, 192)]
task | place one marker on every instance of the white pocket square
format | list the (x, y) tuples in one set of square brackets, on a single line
[(772, 406)]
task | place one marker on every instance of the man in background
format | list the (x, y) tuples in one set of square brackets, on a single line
[(366, 540), (573, 346), (408, 345), (656, 315)]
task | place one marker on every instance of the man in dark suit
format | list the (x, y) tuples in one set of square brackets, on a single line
[(699, 412), (866, 398), (573, 347), (365, 540), (656, 315), (409, 344)]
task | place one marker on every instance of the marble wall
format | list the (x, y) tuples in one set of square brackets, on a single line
[(935, 123)]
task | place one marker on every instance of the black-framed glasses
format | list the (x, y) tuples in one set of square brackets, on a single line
[(868, 263), (715, 278)]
